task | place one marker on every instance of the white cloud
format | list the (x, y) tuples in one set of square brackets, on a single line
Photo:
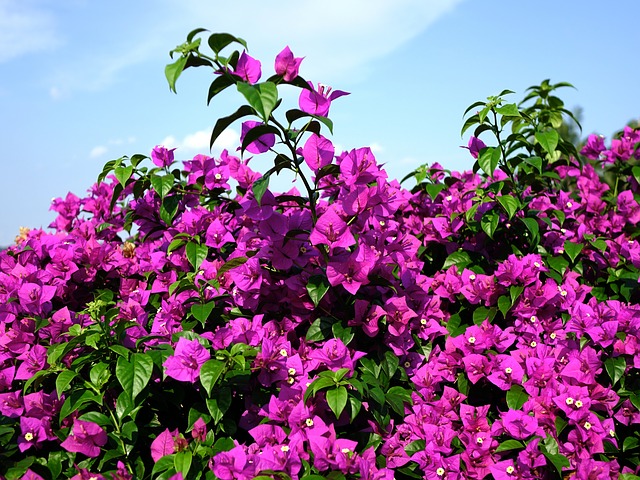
[(25, 29), (198, 142), (98, 151), (376, 148), (338, 38)]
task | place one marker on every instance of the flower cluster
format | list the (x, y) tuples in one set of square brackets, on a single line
[(374, 332)]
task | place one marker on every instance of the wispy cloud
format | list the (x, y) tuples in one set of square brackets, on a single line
[(340, 47), (25, 29), (339, 38), (198, 142), (99, 150)]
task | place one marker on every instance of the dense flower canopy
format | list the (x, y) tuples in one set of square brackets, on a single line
[(476, 326)]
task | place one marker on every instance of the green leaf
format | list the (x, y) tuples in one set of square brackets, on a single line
[(433, 189), (516, 397), (219, 403), (196, 253), (535, 162), (201, 311), (261, 96), (222, 123), (508, 110), (480, 314), (488, 160), (557, 460), (548, 140), (182, 462), (459, 258), (615, 367), (572, 249), (510, 204), (504, 304), (64, 379), (489, 222), (230, 265), (123, 174), (169, 208), (219, 84), (509, 445), (210, 372), (173, 71), (259, 188), (162, 184), (99, 374), (134, 375), (217, 41), (343, 333), (319, 330), (533, 227), (337, 400), (629, 443), (317, 287)]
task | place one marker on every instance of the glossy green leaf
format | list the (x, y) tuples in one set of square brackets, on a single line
[(224, 122), (123, 174), (210, 373), (219, 84), (504, 304), (508, 110), (433, 189), (572, 249), (201, 311), (218, 41), (134, 375), (337, 400), (173, 71), (509, 445), (510, 204), (319, 330), (169, 208), (261, 96), (162, 184), (196, 254), (548, 140), (489, 222), (516, 397), (182, 462), (64, 379), (230, 265), (317, 287), (488, 160), (615, 367), (259, 188)]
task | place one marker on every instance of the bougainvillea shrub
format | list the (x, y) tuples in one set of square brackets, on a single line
[(185, 321)]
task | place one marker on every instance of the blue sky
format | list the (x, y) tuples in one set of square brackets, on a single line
[(82, 81)]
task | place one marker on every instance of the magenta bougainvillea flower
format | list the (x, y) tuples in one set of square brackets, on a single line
[(317, 152), (317, 102), (185, 363), (474, 146), (86, 438), (261, 144), (287, 65), (248, 68), (162, 156), (166, 443)]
